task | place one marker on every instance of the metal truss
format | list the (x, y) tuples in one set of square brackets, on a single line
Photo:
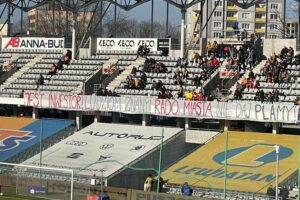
[(245, 4), (75, 5)]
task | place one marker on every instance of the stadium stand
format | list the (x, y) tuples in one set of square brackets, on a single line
[(69, 79), (275, 80)]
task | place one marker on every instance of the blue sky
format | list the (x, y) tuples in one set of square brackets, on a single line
[(143, 12)]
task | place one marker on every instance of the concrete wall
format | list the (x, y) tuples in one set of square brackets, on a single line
[(84, 52), (275, 45)]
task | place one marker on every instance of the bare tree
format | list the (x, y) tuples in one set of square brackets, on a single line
[(17, 27)]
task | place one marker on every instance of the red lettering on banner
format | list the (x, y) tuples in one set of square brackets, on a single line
[(175, 113), (157, 103), (34, 99), (78, 102), (198, 108), (166, 106), (64, 101), (53, 101), (14, 42), (208, 110)]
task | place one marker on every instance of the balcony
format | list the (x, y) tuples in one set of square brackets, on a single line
[(257, 9), (194, 39), (194, 18), (231, 18), (260, 20), (234, 8), (229, 29), (260, 30)]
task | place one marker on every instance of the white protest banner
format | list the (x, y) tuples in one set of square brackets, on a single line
[(126, 43), (253, 111), (32, 43)]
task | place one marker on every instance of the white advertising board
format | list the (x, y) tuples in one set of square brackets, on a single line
[(32, 43), (103, 147), (126, 43)]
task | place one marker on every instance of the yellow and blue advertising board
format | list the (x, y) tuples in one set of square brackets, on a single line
[(251, 162)]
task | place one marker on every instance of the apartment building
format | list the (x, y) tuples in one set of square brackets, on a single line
[(265, 19), (292, 28)]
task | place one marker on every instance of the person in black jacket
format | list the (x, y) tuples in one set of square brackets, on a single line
[(271, 191)]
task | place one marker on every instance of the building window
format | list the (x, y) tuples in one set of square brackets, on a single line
[(231, 14), (273, 16), (259, 15), (245, 26), (218, 3), (217, 34), (217, 14), (273, 27), (246, 15), (274, 6), (273, 36), (230, 3), (217, 24)]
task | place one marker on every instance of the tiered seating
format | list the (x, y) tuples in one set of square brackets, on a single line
[(170, 63), (288, 92), (65, 81), (4, 57), (124, 57)]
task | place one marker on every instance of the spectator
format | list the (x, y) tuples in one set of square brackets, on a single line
[(276, 95), (60, 66), (148, 183), (195, 57), (251, 75), (244, 35), (161, 183), (40, 81), (257, 95), (52, 71), (215, 48), (261, 96), (271, 191), (153, 85), (297, 101), (105, 196), (209, 47), (186, 189), (133, 71), (284, 193), (181, 62), (180, 92), (67, 57), (189, 96)]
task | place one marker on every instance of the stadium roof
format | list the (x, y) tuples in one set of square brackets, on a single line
[(75, 5)]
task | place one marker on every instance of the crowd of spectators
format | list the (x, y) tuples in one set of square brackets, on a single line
[(143, 50), (275, 70), (105, 92), (179, 75)]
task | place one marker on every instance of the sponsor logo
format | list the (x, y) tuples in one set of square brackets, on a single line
[(42, 43), (10, 139), (138, 148), (252, 156), (104, 157), (106, 146), (37, 190), (75, 155), (76, 143), (123, 136)]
